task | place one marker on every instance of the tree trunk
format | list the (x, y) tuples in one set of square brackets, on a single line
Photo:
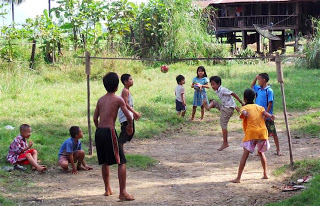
[(33, 51)]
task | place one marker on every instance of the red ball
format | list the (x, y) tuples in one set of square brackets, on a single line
[(164, 68)]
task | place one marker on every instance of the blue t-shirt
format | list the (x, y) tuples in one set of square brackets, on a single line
[(264, 96), (68, 146)]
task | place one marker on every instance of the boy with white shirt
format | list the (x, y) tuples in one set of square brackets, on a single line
[(180, 96), (226, 108)]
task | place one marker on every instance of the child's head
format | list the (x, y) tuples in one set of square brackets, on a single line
[(263, 79), (249, 96), (75, 131), (215, 82), (111, 82), (126, 80), (180, 79), (25, 131), (201, 72)]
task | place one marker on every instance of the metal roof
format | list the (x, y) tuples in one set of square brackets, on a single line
[(205, 3)]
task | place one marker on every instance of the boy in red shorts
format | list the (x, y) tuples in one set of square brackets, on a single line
[(20, 152)]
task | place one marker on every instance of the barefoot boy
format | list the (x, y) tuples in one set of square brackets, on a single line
[(127, 81), (265, 98), (71, 151), (180, 96), (20, 152), (108, 150), (226, 108)]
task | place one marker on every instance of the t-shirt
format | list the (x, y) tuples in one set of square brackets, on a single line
[(254, 126), (121, 116), (69, 146), (264, 96), (16, 146), (179, 91), (224, 95)]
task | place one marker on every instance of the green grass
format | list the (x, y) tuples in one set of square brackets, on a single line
[(139, 161), (309, 196), (307, 125), (6, 202), (51, 99)]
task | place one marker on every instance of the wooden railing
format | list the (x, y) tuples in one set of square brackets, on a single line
[(248, 21)]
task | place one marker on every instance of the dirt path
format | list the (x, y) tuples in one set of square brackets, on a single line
[(190, 172)]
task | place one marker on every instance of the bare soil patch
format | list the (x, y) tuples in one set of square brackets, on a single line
[(190, 171)]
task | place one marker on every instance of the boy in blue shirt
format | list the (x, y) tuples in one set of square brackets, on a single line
[(264, 98), (71, 151)]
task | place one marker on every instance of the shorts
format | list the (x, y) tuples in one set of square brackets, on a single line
[(22, 158), (225, 114), (179, 106), (271, 128), (124, 137), (262, 145), (63, 158), (107, 146)]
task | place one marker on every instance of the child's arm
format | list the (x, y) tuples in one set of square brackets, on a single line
[(268, 115), (125, 96), (204, 85), (73, 165), (96, 116), (254, 81), (269, 106), (183, 97), (237, 97)]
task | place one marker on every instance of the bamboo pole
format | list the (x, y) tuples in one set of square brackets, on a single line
[(280, 80), (88, 72)]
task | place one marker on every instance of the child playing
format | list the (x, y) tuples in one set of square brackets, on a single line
[(127, 81), (199, 83), (226, 108), (107, 145), (71, 151), (255, 132), (20, 152), (265, 98), (180, 96)]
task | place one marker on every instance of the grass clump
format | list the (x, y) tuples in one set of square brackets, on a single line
[(307, 125), (139, 161), (309, 196)]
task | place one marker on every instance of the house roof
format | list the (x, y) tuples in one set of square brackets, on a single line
[(205, 3)]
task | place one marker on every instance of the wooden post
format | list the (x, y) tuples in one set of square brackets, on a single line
[(88, 72), (280, 80), (33, 51)]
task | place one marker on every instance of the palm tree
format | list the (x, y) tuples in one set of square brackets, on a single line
[(13, 2)]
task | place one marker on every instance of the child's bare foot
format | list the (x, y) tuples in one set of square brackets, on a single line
[(33, 168), (84, 168), (126, 197), (42, 168), (235, 180), (223, 147), (279, 153), (191, 119), (108, 193), (265, 177)]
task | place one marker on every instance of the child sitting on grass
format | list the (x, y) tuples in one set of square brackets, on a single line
[(20, 152), (255, 132), (71, 151)]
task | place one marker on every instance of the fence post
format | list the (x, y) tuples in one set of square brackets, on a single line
[(280, 80), (33, 51), (88, 72)]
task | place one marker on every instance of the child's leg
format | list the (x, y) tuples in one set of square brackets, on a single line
[(64, 163), (183, 113), (241, 165), (122, 175), (35, 155), (276, 141), (202, 111), (106, 179), (79, 157), (178, 113), (225, 143), (194, 108), (34, 163), (264, 164)]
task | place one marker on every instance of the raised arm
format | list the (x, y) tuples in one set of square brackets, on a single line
[(254, 81)]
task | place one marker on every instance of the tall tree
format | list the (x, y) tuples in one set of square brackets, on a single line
[(13, 2)]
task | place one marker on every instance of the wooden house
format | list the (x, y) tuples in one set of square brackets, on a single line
[(248, 21)]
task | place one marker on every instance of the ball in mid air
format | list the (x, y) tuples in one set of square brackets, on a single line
[(164, 68)]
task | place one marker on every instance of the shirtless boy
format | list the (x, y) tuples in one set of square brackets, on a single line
[(107, 145)]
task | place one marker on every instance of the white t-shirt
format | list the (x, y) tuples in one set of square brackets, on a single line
[(179, 91), (225, 96), (121, 116)]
